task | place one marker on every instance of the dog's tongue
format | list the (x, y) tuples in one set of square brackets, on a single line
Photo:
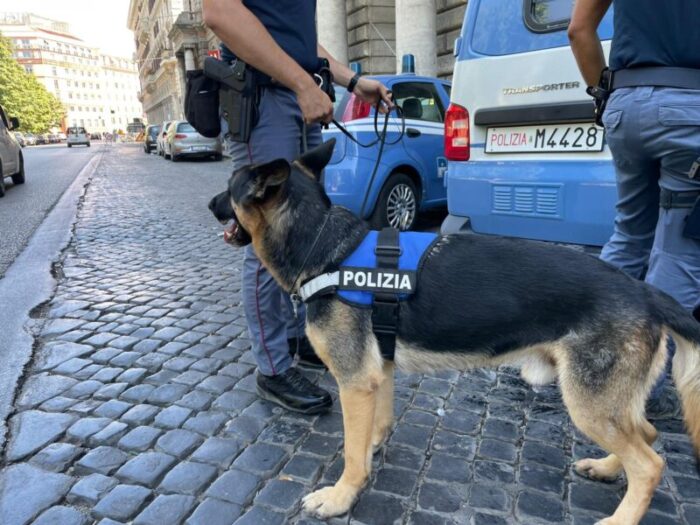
[(230, 232)]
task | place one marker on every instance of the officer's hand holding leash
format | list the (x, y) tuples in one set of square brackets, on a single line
[(373, 92), (315, 105)]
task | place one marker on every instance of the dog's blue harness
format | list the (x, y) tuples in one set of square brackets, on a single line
[(381, 272)]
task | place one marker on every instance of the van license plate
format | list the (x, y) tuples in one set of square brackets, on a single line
[(555, 138)]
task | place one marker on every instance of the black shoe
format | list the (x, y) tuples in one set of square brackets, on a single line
[(293, 391), (666, 406), (307, 356)]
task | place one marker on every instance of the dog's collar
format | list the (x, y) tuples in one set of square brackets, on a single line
[(324, 283)]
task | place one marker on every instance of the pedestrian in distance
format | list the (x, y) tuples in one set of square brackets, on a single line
[(649, 99), (278, 41)]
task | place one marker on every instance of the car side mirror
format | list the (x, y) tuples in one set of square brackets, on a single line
[(14, 122)]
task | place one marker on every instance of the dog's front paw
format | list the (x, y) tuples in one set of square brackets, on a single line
[(330, 501)]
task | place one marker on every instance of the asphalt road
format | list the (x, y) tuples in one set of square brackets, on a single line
[(49, 171)]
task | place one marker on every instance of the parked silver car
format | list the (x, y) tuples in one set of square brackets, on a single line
[(183, 140), (11, 158), (162, 134)]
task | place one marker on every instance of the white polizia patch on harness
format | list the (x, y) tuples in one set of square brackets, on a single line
[(361, 280)]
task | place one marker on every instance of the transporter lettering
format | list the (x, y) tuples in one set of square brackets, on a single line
[(368, 279)]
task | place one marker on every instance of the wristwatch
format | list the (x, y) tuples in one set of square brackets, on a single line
[(353, 82)]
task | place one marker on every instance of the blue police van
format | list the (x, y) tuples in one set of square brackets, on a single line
[(411, 172), (525, 158)]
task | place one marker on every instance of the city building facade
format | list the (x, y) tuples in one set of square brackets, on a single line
[(171, 38), (98, 92), (377, 33)]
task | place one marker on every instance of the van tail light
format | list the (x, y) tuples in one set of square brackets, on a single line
[(457, 133), (356, 109), (180, 136)]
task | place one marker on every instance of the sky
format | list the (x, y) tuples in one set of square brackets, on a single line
[(100, 23)]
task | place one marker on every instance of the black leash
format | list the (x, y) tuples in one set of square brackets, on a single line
[(381, 140)]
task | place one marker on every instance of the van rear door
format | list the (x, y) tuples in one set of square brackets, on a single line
[(537, 164)]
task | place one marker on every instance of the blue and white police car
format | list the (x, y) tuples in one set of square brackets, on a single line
[(410, 174), (525, 158)]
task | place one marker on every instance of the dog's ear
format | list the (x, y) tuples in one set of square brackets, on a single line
[(267, 178), (317, 159)]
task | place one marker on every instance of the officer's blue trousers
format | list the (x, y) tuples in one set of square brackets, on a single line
[(654, 136), (268, 311)]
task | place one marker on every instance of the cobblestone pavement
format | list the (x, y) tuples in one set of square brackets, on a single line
[(139, 406)]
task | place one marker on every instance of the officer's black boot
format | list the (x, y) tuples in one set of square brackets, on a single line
[(293, 391)]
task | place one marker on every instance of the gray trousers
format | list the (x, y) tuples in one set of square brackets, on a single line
[(268, 310), (654, 136)]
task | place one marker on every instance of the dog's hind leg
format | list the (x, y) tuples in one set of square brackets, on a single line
[(612, 425), (384, 414), (358, 418), (609, 468)]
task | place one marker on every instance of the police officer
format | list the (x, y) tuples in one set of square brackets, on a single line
[(652, 125), (278, 39)]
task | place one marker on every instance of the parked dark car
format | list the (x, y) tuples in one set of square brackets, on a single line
[(42, 139), (11, 158), (150, 142)]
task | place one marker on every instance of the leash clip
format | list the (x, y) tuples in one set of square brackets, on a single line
[(295, 304)]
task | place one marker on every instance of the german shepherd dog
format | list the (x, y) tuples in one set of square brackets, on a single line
[(480, 301)]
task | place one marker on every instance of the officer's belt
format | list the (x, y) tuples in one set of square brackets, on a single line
[(677, 199), (675, 77)]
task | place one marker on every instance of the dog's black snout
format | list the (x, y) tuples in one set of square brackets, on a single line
[(220, 206)]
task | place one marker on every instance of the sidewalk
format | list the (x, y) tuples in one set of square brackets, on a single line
[(139, 405)]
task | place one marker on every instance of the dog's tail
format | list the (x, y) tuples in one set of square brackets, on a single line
[(685, 331)]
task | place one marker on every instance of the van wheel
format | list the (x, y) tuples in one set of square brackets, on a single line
[(70, 145), (397, 205), (2, 184), (18, 178)]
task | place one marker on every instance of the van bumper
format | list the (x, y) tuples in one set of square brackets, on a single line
[(561, 201)]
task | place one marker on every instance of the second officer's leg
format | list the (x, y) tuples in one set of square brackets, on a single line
[(672, 136)]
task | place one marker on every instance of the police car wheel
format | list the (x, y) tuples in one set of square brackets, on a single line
[(397, 205)]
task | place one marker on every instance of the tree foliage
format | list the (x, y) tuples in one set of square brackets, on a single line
[(24, 97)]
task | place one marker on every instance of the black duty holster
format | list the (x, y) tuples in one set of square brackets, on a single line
[(238, 96), (601, 94)]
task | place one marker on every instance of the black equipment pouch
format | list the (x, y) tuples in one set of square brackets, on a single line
[(237, 96), (202, 104), (601, 94), (691, 229)]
